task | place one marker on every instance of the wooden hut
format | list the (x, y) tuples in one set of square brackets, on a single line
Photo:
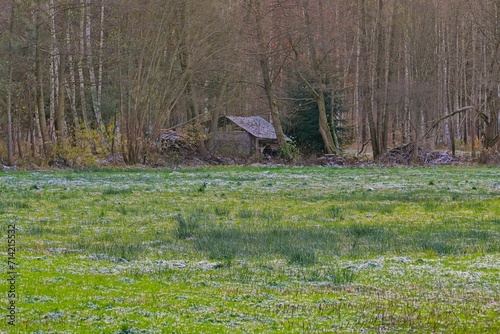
[(246, 136)]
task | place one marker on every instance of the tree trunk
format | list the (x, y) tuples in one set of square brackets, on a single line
[(39, 80), (100, 60), (70, 84), (389, 69), (94, 84), (81, 77), (60, 125), (192, 110), (357, 119), (54, 72), (327, 134), (265, 71), (215, 114), (331, 145), (369, 89), (10, 139), (376, 112)]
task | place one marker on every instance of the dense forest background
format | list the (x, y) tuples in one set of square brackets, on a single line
[(82, 80)]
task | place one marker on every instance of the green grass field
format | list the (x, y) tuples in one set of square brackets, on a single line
[(254, 250)]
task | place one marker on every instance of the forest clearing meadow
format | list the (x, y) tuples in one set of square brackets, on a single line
[(252, 250)]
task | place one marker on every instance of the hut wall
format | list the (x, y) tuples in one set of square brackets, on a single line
[(230, 143)]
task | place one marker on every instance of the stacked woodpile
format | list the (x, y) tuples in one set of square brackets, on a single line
[(174, 141), (334, 160), (405, 155)]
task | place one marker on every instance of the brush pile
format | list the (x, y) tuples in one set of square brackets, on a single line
[(174, 141), (404, 155)]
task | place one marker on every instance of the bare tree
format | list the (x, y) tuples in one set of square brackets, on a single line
[(95, 79), (40, 84), (10, 66), (265, 53), (320, 83)]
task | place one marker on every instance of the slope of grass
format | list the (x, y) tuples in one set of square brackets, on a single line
[(254, 249)]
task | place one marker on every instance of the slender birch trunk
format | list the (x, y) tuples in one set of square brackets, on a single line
[(10, 140), (407, 129), (54, 71), (60, 122), (389, 70), (375, 113), (81, 59), (100, 60), (94, 90), (265, 71), (39, 80), (357, 91), (71, 85)]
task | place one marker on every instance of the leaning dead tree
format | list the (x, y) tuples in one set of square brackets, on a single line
[(488, 134), (437, 122)]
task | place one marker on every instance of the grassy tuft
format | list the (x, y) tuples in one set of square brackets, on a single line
[(112, 191), (185, 227), (335, 213), (245, 214), (300, 256), (221, 211)]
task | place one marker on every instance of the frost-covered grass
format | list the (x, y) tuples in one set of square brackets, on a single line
[(241, 249)]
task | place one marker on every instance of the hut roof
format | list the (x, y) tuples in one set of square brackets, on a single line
[(256, 126)]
